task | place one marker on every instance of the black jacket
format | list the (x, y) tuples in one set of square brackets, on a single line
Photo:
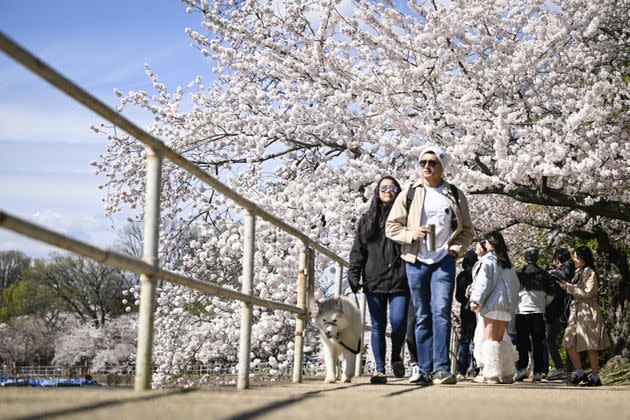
[(532, 277), (559, 306), (468, 318), (376, 265)]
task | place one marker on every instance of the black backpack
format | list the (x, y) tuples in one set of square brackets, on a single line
[(412, 191)]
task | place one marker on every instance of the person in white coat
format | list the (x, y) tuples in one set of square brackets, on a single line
[(495, 296)]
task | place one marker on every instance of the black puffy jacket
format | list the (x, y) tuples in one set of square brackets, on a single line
[(559, 306), (376, 265)]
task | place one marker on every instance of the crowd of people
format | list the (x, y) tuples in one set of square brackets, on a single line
[(403, 259)]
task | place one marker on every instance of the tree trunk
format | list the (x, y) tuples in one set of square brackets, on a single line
[(616, 289)]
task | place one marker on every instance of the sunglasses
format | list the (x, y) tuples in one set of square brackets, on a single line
[(386, 188), (431, 163)]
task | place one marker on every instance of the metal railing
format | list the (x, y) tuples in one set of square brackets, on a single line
[(148, 267)]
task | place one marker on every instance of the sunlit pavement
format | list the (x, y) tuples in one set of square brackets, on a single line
[(315, 400)]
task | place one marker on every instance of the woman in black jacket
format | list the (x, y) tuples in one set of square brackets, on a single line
[(376, 267)]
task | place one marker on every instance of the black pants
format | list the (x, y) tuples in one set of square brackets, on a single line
[(530, 327), (555, 328), (411, 334)]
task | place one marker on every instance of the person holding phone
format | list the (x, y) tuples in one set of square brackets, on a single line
[(586, 330)]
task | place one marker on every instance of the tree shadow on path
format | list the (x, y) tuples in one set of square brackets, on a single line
[(101, 404), (256, 412)]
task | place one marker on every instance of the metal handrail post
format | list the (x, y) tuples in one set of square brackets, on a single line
[(338, 280), (144, 362), (454, 344), (300, 319), (357, 366), (247, 288)]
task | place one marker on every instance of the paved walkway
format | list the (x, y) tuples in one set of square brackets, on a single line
[(315, 400)]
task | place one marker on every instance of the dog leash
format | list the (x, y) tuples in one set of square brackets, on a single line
[(344, 345)]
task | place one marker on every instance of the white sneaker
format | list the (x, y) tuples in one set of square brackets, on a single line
[(415, 373), (536, 377), (520, 375)]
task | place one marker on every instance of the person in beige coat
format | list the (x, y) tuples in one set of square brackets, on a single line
[(586, 330), (431, 222)]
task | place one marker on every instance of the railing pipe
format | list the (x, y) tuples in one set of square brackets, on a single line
[(339, 280), (148, 281), (300, 319), (247, 289), (73, 90), (131, 264)]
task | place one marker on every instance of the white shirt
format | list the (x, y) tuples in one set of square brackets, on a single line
[(435, 211)]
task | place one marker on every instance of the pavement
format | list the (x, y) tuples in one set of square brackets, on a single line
[(315, 400)]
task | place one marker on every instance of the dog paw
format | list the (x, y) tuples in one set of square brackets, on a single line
[(346, 380), (330, 380)]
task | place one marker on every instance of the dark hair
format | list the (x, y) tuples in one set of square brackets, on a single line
[(584, 253), (469, 260), (500, 248), (376, 210), (531, 255), (562, 255)]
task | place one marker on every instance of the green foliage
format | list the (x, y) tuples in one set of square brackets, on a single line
[(26, 297)]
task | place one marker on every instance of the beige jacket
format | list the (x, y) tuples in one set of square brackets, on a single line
[(586, 329), (400, 225)]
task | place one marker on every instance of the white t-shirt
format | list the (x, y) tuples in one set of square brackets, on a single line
[(435, 211)]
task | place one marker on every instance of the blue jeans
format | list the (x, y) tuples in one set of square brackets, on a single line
[(377, 304), (465, 359), (432, 296)]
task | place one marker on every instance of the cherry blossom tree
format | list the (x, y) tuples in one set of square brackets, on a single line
[(110, 346), (310, 102), (26, 340)]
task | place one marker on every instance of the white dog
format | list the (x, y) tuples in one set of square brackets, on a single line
[(339, 323)]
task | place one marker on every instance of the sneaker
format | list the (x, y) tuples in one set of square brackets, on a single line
[(558, 375), (591, 382), (399, 369), (444, 377), (536, 377), (378, 378), (424, 379), (460, 377), (577, 379), (520, 375), (415, 373)]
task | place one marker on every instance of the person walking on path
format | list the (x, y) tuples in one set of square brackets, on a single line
[(495, 297), (535, 293), (586, 330), (432, 222), (557, 313), (411, 344), (478, 337), (468, 319), (375, 267)]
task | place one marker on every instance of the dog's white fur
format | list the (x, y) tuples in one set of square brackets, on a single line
[(338, 319)]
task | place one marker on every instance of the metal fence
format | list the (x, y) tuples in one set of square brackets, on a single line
[(148, 267)]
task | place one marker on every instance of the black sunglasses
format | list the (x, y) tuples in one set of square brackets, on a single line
[(386, 188), (432, 163)]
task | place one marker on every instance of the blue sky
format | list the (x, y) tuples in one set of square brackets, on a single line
[(45, 141)]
